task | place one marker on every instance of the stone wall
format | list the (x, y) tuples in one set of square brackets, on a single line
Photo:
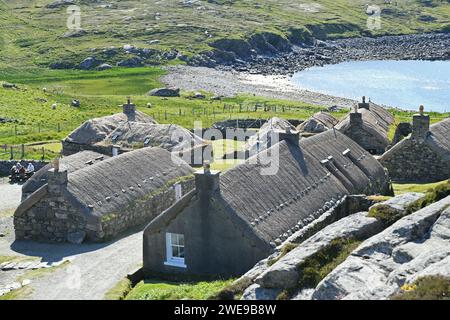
[(51, 218), (366, 139), (5, 166), (56, 216), (414, 161), (141, 211)]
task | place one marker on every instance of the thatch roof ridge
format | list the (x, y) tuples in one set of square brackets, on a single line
[(159, 135), (96, 129), (119, 181), (302, 185), (439, 139), (70, 163)]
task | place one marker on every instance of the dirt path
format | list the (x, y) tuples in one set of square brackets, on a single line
[(10, 195), (94, 268)]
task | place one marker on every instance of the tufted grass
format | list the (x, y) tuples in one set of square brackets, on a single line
[(166, 290), (435, 287)]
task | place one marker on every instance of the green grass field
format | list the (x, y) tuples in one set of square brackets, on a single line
[(33, 119), (166, 290)]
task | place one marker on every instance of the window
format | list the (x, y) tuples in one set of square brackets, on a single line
[(175, 250)]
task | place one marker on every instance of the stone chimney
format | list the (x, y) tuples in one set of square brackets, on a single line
[(364, 104), (289, 136), (356, 117), (129, 108), (421, 124), (206, 181), (57, 180)]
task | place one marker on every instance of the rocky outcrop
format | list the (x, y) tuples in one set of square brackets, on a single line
[(285, 273), (415, 246), (275, 54)]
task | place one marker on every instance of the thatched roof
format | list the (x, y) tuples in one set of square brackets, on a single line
[(115, 183), (376, 121), (261, 140), (96, 130), (439, 139), (166, 136), (71, 164), (274, 204), (319, 122)]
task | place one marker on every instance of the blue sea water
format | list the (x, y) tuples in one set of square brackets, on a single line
[(403, 84)]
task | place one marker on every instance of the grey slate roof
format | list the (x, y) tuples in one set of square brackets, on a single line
[(70, 163), (274, 204), (116, 182)]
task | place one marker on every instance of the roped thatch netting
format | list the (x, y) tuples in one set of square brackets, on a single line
[(319, 122), (71, 164), (439, 139), (96, 130), (274, 204), (262, 140), (111, 185), (166, 136)]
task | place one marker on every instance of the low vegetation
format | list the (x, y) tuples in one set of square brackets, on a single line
[(433, 193), (288, 247), (167, 290), (426, 288), (120, 290), (319, 265)]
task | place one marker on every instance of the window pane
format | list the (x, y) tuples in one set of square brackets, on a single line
[(181, 240), (181, 252), (174, 238)]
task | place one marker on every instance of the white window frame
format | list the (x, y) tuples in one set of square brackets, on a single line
[(178, 192), (170, 259)]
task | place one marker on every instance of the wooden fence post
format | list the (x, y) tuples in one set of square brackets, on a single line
[(12, 153), (23, 151)]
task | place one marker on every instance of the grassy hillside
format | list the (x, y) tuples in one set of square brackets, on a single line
[(30, 116), (33, 35)]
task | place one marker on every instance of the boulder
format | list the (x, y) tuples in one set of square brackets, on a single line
[(165, 92), (256, 292), (285, 273), (199, 95), (415, 246), (76, 237), (130, 63), (59, 4), (104, 66), (88, 63)]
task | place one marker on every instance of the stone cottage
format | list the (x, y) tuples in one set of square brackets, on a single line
[(102, 200), (93, 131), (70, 164), (231, 221), (369, 126), (263, 138), (319, 122), (132, 129), (424, 156)]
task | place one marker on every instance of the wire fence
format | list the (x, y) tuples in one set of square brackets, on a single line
[(25, 152), (12, 130)]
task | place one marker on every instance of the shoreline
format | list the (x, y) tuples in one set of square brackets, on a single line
[(270, 76), (231, 83)]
